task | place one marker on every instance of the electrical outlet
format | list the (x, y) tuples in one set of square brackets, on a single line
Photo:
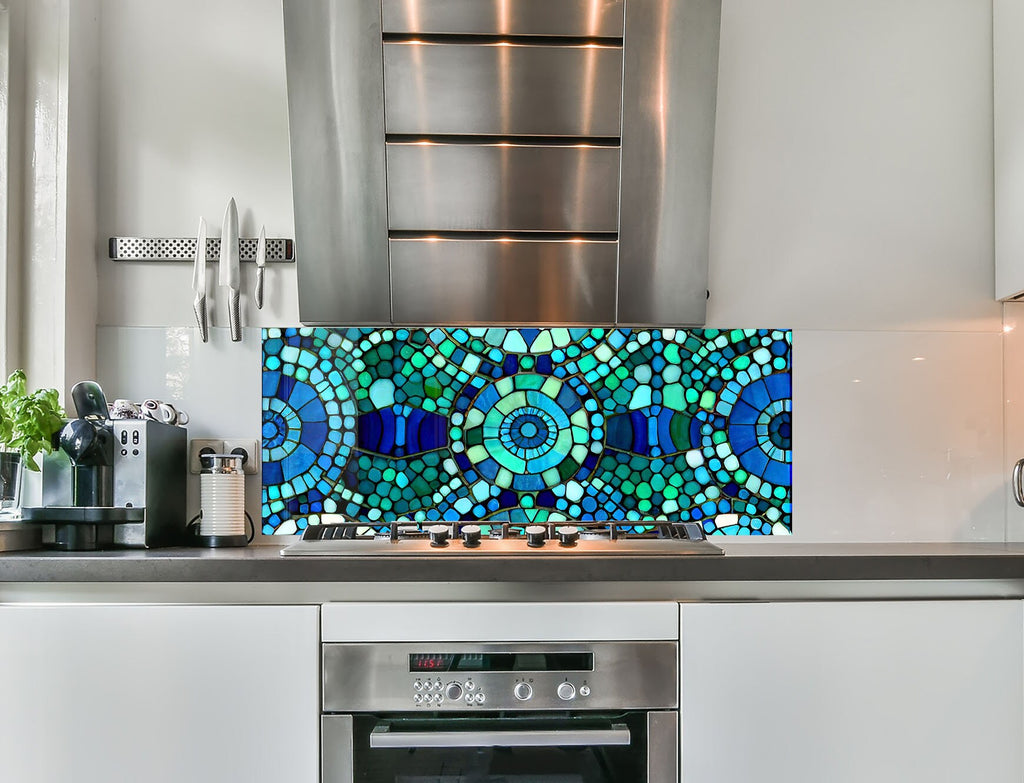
[(249, 448), (198, 446)]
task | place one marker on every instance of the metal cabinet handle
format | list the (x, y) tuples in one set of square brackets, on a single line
[(383, 737), (1018, 487)]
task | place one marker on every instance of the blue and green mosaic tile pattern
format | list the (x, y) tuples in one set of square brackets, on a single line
[(528, 425)]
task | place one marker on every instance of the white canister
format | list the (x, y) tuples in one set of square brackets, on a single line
[(222, 499)]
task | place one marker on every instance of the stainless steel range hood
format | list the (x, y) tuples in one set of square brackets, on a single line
[(502, 161)]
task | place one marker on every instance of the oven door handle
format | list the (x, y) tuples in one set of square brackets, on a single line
[(383, 737)]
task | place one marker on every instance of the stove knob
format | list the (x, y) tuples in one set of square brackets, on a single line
[(568, 535), (471, 535), (453, 692), (535, 535), (566, 691), (438, 535), (522, 691)]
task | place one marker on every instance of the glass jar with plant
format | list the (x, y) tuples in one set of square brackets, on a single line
[(28, 422)]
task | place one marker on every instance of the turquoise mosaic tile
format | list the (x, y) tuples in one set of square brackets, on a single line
[(528, 425)]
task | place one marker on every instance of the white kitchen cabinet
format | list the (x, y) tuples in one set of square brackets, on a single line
[(886, 692), (157, 693), (1008, 131)]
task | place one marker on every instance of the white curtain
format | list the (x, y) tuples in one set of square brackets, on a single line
[(5, 168), (48, 152)]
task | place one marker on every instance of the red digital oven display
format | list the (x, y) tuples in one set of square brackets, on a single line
[(431, 662), (525, 661)]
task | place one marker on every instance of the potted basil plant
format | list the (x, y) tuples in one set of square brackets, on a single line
[(28, 423)]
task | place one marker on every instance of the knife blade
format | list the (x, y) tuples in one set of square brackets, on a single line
[(229, 276), (261, 262), (199, 282)]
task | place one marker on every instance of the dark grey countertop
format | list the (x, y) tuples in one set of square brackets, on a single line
[(748, 561)]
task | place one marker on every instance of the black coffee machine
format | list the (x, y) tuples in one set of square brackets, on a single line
[(112, 482)]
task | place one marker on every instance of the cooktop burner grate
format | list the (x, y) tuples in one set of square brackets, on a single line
[(345, 536)]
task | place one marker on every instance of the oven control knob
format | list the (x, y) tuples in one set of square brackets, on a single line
[(471, 535), (566, 691), (453, 692), (535, 535), (568, 535), (522, 691), (584, 690), (438, 535)]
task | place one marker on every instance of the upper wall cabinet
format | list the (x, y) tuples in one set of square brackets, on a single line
[(502, 161), (1008, 107)]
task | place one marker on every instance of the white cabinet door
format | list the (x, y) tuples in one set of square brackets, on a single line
[(161, 694), (881, 692), (1008, 127)]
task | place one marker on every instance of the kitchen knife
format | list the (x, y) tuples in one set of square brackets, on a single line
[(261, 262), (229, 276), (199, 282)]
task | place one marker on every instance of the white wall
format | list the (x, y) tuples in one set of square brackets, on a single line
[(194, 112), (852, 203)]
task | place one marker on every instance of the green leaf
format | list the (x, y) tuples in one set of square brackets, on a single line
[(28, 422)]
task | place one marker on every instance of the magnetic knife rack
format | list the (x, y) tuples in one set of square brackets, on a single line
[(279, 251)]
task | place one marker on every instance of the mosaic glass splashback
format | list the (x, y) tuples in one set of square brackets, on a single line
[(525, 425)]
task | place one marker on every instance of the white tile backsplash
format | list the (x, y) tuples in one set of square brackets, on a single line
[(217, 383), (1013, 396), (897, 436)]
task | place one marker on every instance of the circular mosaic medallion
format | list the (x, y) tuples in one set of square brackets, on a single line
[(760, 428), (527, 432), (308, 422)]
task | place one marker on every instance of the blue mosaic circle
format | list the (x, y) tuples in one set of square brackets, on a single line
[(764, 407), (308, 424), (780, 429), (277, 430), (527, 432)]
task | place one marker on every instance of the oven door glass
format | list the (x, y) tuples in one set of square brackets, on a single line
[(521, 749)]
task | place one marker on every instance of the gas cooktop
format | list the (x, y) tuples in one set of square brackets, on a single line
[(466, 539)]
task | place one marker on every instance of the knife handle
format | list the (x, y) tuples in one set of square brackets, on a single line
[(258, 293), (235, 317)]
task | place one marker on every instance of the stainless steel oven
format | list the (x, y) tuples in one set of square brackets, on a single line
[(524, 712)]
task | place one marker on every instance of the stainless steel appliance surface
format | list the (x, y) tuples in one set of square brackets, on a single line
[(550, 711), (140, 497), (534, 124), (468, 539)]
